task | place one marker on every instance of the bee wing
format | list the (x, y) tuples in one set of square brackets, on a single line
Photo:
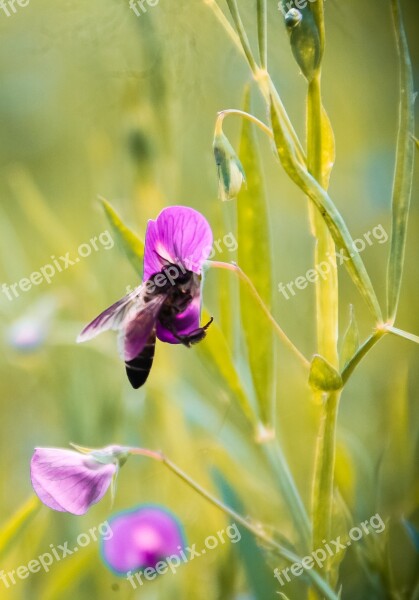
[(115, 316), (138, 329)]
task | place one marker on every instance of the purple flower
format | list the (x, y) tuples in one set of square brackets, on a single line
[(70, 481), (141, 538), (168, 303), (182, 237)]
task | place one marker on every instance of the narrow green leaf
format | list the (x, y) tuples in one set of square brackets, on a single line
[(328, 153), (258, 573), (320, 160), (329, 212), (254, 252), (126, 239), (350, 342), (323, 376), (403, 175), (12, 529), (215, 354), (324, 467), (341, 522)]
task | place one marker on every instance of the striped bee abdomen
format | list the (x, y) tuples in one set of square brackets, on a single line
[(138, 368)]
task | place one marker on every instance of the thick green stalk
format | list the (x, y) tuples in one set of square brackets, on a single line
[(324, 473), (325, 251), (319, 164)]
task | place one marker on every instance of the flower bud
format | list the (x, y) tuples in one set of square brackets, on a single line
[(231, 175), (305, 40)]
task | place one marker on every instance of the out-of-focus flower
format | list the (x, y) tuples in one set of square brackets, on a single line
[(168, 303), (29, 332), (70, 481), (231, 175), (141, 538)]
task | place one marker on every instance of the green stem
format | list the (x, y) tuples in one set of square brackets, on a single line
[(232, 5), (327, 287), (292, 498), (404, 334), (380, 332), (269, 91), (281, 333), (262, 32), (326, 310), (225, 23), (257, 531), (245, 115), (261, 76), (324, 474), (360, 353), (317, 8)]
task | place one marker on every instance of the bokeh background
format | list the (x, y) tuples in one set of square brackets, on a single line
[(97, 101)]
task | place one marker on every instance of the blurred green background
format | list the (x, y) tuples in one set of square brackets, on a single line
[(96, 101)]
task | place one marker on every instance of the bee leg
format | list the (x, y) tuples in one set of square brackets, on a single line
[(195, 336)]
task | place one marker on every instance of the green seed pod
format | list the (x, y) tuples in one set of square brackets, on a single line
[(305, 40)]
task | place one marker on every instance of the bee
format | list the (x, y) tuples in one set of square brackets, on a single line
[(163, 302)]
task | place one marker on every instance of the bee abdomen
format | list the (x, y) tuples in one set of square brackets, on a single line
[(138, 369)]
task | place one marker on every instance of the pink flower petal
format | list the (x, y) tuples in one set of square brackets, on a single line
[(179, 235), (184, 323), (69, 481)]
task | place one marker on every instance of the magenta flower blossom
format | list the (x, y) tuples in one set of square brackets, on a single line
[(70, 481), (141, 538), (168, 303)]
